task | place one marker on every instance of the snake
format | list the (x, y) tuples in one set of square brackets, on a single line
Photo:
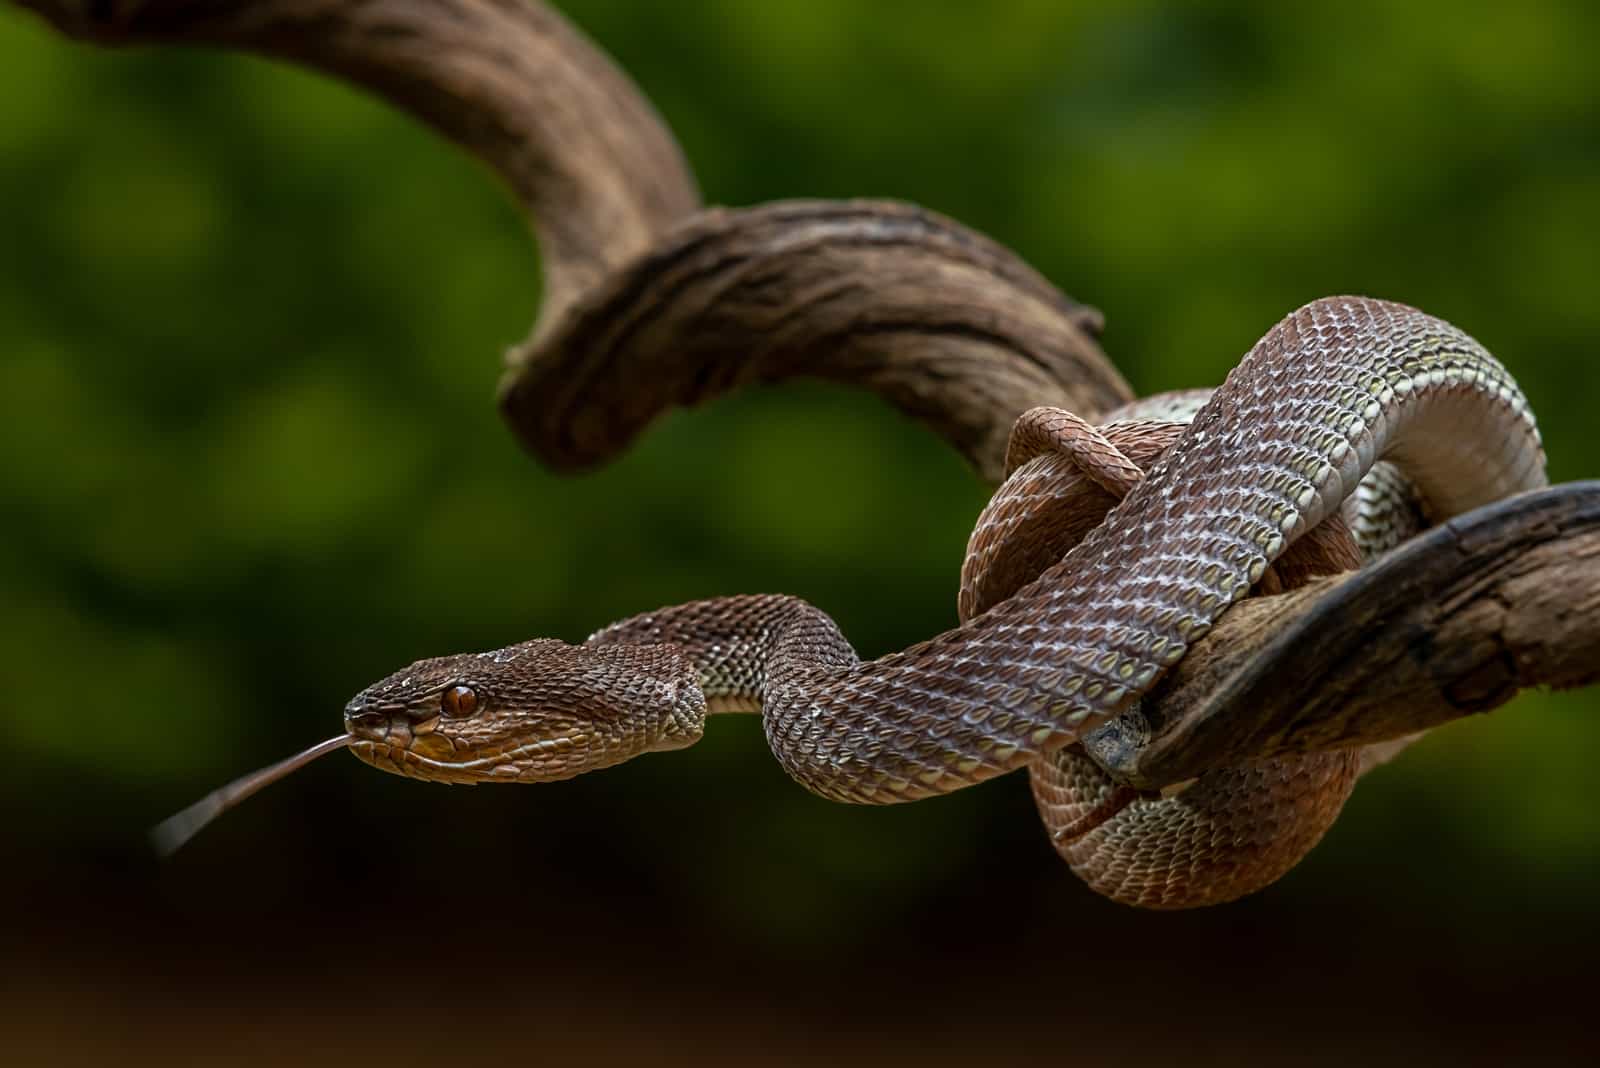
[(1108, 552)]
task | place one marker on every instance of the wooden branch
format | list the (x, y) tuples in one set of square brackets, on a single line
[(648, 304), (512, 83), (1454, 622), (942, 322)]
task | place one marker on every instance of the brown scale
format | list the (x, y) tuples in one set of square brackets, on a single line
[(1231, 831)]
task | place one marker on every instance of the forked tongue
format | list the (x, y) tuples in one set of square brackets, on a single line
[(168, 835)]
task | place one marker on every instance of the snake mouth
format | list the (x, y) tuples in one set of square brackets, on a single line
[(424, 760)]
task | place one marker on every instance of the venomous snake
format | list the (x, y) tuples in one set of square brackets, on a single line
[(1106, 554)]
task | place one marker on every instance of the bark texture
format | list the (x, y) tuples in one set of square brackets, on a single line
[(650, 301), (1454, 622)]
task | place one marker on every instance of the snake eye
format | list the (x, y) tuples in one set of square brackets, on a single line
[(458, 702)]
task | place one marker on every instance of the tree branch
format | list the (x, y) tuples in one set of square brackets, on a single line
[(513, 83), (942, 322), (1454, 622), (647, 303)]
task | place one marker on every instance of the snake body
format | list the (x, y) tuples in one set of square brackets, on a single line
[(1232, 830), (1025, 680)]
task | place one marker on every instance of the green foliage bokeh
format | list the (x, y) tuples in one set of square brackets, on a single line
[(249, 332)]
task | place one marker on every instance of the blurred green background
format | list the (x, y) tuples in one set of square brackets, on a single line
[(250, 325)]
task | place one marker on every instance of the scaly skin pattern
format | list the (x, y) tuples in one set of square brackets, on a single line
[(1231, 831), (1331, 389)]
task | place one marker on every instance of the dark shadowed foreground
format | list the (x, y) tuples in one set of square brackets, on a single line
[(226, 957)]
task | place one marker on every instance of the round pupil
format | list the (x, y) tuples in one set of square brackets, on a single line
[(459, 701)]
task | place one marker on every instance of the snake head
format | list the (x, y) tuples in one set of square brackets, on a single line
[(536, 712)]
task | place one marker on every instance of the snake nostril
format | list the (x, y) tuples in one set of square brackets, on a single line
[(368, 722)]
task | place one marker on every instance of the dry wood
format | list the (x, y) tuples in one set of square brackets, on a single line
[(1454, 622), (513, 83), (941, 321), (636, 318)]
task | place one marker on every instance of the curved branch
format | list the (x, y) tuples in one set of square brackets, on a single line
[(1454, 622), (942, 322), (511, 82), (648, 304)]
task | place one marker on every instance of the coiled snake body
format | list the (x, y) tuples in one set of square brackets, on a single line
[(1067, 618)]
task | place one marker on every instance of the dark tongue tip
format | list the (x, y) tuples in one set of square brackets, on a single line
[(168, 836)]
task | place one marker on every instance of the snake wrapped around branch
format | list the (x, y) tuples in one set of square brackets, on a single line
[(1071, 612)]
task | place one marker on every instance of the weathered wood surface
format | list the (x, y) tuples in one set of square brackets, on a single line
[(648, 300), (1454, 622)]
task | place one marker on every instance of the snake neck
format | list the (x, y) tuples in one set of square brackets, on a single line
[(741, 648)]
